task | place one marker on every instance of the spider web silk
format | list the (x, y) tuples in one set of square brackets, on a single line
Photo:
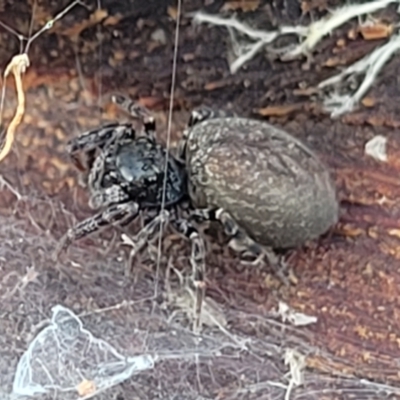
[(78, 328), (64, 354)]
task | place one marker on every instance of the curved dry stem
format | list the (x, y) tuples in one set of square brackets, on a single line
[(17, 67)]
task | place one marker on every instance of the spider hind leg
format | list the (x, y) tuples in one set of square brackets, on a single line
[(197, 261), (241, 243)]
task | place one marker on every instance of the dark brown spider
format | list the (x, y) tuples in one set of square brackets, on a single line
[(268, 190)]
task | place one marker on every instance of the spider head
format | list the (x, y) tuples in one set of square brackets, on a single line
[(139, 162), (143, 168)]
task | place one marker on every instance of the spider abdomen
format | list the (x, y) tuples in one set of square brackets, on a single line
[(273, 186)]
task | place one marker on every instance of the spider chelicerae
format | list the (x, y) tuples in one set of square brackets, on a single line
[(128, 171)]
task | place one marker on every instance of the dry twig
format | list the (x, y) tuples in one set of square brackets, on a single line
[(17, 67)]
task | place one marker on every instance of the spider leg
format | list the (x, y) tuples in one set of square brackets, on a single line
[(108, 196), (197, 261), (203, 113), (148, 232), (96, 172), (198, 115), (87, 163), (95, 138), (96, 176), (115, 214), (137, 111), (241, 242)]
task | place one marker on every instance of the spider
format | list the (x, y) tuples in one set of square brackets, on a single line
[(129, 172), (267, 189)]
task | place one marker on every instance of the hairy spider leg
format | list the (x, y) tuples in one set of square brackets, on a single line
[(197, 258), (115, 214), (137, 111), (240, 242), (203, 113), (148, 232), (100, 196), (197, 261), (95, 177), (89, 141), (105, 196), (108, 196)]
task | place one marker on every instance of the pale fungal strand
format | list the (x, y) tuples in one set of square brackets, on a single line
[(371, 65), (319, 29), (309, 35), (336, 104)]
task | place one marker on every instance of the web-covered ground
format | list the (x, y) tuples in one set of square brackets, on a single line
[(347, 283)]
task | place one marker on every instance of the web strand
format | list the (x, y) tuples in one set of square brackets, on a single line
[(168, 141)]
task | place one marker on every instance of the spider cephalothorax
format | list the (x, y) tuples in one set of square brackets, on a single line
[(128, 165)]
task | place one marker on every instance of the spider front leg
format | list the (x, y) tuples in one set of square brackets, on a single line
[(115, 214), (100, 196), (241, 242), (91, 140), (137, 111), (96, 173), (108, 196), (197, 261), (146, 234)]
